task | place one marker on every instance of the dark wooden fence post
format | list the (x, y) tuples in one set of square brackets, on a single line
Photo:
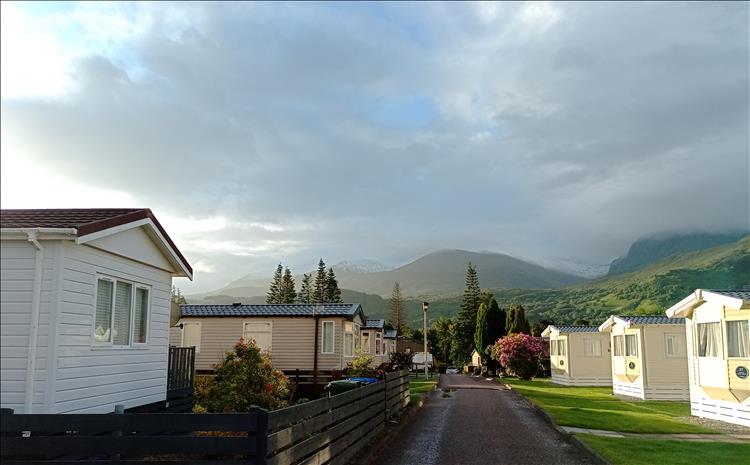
[(261, 436)]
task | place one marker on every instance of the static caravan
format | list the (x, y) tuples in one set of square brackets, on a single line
[(390, 336), (649, 357), (85, 309), (372, 341), (717, 325), (322, 337), (579, 355), (476, 358)]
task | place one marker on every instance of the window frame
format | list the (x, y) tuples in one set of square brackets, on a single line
[(589, 343), (675, 346), (726, 331), (323, 337), (348, 347), (378, 343), (719, 346), (365, 349), (270, 326), (635, 345), (134, 286), (618, 345)]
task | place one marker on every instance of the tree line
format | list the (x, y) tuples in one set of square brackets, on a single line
[(323, 289)]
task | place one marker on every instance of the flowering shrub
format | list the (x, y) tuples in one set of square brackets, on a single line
[(519, 353), (361, 365), (243, 379)]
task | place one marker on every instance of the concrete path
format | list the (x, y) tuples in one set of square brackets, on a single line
[(482, 423), (741, 438)]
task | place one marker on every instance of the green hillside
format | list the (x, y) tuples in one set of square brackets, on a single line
[(647, 291)]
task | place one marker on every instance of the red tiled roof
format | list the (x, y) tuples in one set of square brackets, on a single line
[(84, 220)]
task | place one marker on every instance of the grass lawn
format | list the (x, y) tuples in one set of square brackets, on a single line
[(418, 387), (635, 451), (597, 408)]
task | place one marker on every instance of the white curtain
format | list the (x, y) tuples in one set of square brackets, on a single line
[(709, 339), (738, 338), (123, 304), (140, 322), (102, 326), (631, 345)]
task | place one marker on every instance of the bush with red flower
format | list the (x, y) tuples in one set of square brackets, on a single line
[(244, 378), (520, 354)]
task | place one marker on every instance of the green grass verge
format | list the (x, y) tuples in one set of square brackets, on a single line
[(636, 451), (418, 387), (597, 408)]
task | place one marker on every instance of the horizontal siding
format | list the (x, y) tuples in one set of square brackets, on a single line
[(93, 379), (627, 389), (291, 346), (730, 412), (665, 373)]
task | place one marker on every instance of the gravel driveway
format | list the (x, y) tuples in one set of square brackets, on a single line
[(481, 422)]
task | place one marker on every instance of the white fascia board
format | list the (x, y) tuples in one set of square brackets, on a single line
[(607, 325), (548, 330), (161, 242), (622, 321), (42, 234), (684, 308)]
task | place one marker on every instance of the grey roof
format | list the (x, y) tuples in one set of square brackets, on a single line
[(743, 294), (374, 323), (652, 320), (576, 328), (297, 310), (390, 333)]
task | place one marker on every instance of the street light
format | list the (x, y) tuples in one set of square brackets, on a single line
[(425, 306)]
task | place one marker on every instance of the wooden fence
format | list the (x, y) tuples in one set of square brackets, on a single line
[(180, 379), (324, 431)]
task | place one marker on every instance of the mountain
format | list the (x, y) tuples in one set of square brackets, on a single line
[(645, 251), (443, 272), (359, 266)]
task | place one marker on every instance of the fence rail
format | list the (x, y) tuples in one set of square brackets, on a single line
[(324, 431)]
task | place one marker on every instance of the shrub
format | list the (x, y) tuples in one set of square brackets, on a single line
[(519, 354), (484, 371), (477, 371), (245, 378), (361, 365), (402, 360), (202, 387)]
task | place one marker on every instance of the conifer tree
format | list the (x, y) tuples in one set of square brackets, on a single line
[(305, 290), (482, 333), (273, 296), (397, 309), (319, 288), (288, 293), (467, 316), (516, 321), (332, 291), (490, 328)]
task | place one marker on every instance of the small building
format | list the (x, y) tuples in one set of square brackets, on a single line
[(476, 359), (717, 327), (649, 357), (309, 337), (85, 309), (390, 336), (372, 341), (579, 355)]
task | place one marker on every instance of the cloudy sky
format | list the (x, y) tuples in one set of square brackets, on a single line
[(261, 133)]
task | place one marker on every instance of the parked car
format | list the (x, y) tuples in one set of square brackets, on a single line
[(452, 371)]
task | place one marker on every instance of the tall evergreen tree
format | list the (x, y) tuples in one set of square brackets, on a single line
[(305, 290), (288, 293), (273, 296), (332, 291), (490, 328), (397, 309), (482, 331), (516, 321), (319, 287), (467, 316)]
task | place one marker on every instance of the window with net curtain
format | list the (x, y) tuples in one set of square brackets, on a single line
[(365, 342), (348, 339), (709, 339), (121, 314), (738, 339), (328, 334), (618, 343), (260, 332), (631, 345)]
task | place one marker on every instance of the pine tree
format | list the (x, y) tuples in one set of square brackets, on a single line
[(288, 294), (332, 291), (397, 309), (305, 291), (319, 288), (177, 296), (467, 316), (273, 296)]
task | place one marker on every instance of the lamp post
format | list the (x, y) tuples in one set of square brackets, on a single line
[(425, 306)]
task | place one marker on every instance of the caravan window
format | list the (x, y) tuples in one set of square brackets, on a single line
[(592, 348), (631, 345), (709, 339), (259, 332), (121, 313), (619, 346), (738, 339)]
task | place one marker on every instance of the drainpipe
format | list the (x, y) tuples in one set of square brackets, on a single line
[(315, 352), (36, 299)]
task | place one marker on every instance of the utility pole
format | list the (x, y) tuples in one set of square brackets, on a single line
[(425, 306)]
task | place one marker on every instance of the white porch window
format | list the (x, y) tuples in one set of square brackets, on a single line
[(365, 342), (619, 346), (261, 332), (631, 345), (592, 348), (327, 343), (191, 335), (738, 339), (672, 346), (553, 347), (121, 314), (709, 339), (561, 347), (378, 342)]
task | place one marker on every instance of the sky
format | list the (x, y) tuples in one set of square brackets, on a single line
[(262, 133)]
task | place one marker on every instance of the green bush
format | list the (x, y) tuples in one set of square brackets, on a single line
[(402, 360), (243, 379), (361, 366)]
